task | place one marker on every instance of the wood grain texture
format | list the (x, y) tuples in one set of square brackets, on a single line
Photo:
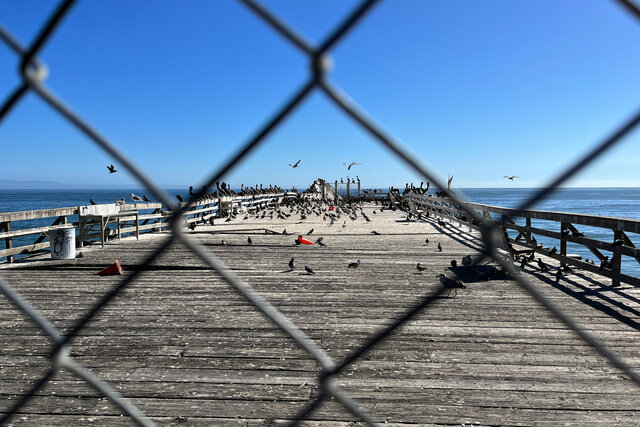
[(187, 349)]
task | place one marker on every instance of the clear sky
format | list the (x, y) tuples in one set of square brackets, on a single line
[(477, 89)]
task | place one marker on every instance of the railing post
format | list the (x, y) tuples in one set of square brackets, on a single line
[(616, 259), (348, 193), (336, 192), (528, 231), (6, 226), (563, 243), (358, 189)]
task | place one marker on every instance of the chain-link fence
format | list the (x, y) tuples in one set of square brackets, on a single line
[(33, 75)]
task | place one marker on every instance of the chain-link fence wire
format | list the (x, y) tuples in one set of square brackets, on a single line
[(33, 74)]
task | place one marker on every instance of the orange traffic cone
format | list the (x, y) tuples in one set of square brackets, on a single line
[(114, 268), (304, 241)]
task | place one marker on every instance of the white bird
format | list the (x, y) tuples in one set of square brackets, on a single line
[(135, 198), (351, 164)]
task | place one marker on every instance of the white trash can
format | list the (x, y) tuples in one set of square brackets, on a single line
[(63, 243)]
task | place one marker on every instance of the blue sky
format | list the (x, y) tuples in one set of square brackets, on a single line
[(475, 89)]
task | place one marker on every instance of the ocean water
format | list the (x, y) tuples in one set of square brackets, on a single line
[(617, 202)]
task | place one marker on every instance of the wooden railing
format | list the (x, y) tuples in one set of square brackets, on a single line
[(566, 222), (10, 222)]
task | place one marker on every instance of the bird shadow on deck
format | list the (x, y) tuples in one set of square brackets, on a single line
[(584, 295)]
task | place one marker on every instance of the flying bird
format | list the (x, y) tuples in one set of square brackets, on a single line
[(351, 164), (112, 169), (449, 182), (295, 165), (511, 177)]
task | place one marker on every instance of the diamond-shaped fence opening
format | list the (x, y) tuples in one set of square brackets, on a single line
[(33, 76)]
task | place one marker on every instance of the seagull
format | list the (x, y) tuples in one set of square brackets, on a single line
[(510, 177), (92, 202), (354, 264), (112, 169), (420, 268), (135, 198), (291, 264), (308, 270), (450, 283), (351, 164), (295, 165)]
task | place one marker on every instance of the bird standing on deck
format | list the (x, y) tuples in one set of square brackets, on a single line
[(543, 266), (249, 241), (308, 270), (354, 264), (310, 231), (466, 260), (439, 247), (420, 268), (292, 265), (451, 283)]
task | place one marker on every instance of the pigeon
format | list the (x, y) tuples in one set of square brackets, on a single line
[(223, 243), (450, 283), (92, 202), (354, 264), (211, 220), (192, 226), (135, 198), (112, 169), (320, 242), (284, 232), (308, 270), (553, 251), (291, 264), (466, 260), (249, 241), (567, 269), (426, 242), (454, 263), (439, 247), (542, 265), (420, 268), (558, 275)]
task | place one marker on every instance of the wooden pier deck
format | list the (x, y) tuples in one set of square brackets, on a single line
[(186, 349)]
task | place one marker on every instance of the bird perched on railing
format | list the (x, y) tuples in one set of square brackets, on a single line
[(135, 198)]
